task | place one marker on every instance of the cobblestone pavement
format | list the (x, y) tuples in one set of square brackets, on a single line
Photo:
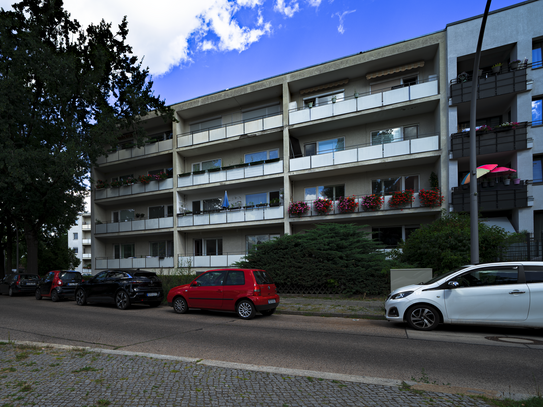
[(49, 376), (333, 307)]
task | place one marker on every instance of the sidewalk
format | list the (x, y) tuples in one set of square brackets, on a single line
[(53, 376)]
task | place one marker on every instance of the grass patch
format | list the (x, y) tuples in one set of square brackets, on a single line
[(531, 402), (8, 369)]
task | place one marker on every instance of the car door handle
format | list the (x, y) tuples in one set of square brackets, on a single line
[(517, 292)]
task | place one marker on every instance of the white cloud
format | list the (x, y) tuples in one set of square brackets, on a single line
[(314, 3), (341, 16), (287, 9), (163, 31)]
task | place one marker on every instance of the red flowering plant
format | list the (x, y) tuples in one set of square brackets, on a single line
[(322, 205), (144, 179), (298, 208), (129, 181), (116, 183), (372, 202), (101, 184), (431, 197), (160, 176), (401, 199), (347, 204)]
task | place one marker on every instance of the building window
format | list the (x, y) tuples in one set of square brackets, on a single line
[(206, 165), (537, 60), (325, 146), (386, 186), (332, 192), (207, 247), (395, 134), (538, 169), (161, 249), (206, 125), (488, 121), (252, 240), (537, 112), (261, 156), (324, 99), (76, 236), (124, 215), (75, 249), (253, 114), (124, 251), (156, 212), (255, 199)]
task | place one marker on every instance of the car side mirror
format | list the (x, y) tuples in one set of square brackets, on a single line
[(453, 284), (195, 284)]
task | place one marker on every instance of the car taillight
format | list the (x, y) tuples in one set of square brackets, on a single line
[(59, 282), (256, 291)]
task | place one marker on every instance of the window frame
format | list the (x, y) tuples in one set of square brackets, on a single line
[(383, 191), (200, 165), (326, 98), (539, 159), (402, 135), (318, 149)]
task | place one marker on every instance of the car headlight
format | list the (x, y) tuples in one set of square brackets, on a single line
[(401, 295)]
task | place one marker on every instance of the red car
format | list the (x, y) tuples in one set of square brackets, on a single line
[(58, 284), (245, 291)]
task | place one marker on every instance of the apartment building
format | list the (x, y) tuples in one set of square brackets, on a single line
[(510, 132), (204, 190), (80, 238)]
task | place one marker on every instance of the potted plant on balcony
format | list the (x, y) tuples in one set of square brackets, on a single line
[(261, 204), (496, 68), (116, 183), (275, 202), (101, 184), (401, 199), (323, 205), (431, 197), (347, 204), (129, 181), (506, 179), (298, 208), (372, 202), (144, 179), (160, 176), (515, 178), (484, 128), (514, 64)]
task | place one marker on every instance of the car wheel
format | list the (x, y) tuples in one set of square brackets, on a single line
[(38, 294), (180, 305), (54, 296), (80, 297), (121, 300), (268, 312), (10, 292), (154, 304), (246, 309), (423, 317)]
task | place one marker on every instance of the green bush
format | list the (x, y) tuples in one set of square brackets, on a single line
[(170, 281), (341, 255)]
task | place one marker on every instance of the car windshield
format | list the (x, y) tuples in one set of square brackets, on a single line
[(262, 277), (442, 276), (29, 277), (70, 276)]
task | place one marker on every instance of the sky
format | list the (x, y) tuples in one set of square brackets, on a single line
[(197, 47)]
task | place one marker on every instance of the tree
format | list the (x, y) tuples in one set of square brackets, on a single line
[(444, 244), (342, 255), (65, 95), (55, 254)]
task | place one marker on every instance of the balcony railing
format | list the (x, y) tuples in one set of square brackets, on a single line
[(497, 84), (489, 142), (134, 225), (221, 260), (86, 241), (499, 197), (359, 199), (87, 256), (134, 189), (358, 154), (237, 172), (231, 216), (364, 102), (86, 226), (134, 262), (128, 153), (230, 130)]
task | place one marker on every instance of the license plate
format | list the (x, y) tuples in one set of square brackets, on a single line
[(152, 294), (271, 301), (30, 283), (72, 283)]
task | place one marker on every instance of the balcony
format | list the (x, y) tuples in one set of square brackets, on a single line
[(134, 189), (501, 83), (231, 216), (364, 102), (234, 172), (223, 260), (230, 130), (129, 153), (495, 141), (86, 226), (134, 225), (360, 154), (134, 263), (86, 241), (499, 197), (87, 256)]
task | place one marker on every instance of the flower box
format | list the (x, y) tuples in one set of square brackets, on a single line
[(298, 208), (322, 206), (401, 199), (431, 198), (372, 202)]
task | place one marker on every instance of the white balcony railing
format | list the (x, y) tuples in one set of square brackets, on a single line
[(87, 256), (230, 130), (406, 147), (134, 225), (86, 241), (86, 227), (128, 153), (224, 260), (364, 102), (135, 262), (232, 216), (134, 189), (230, 174)]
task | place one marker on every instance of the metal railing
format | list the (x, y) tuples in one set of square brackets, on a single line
[(498, 197), (232, 215), (134, 225), (134, 262)]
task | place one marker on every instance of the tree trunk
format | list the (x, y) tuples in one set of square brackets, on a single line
[(31, 249)]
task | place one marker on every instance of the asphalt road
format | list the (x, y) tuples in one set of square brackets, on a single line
[(475, 357)]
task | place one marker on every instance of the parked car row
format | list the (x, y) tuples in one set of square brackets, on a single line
[(244, 291)]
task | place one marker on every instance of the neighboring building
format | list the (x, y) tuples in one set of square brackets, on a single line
[(80, 238), (512, 94), (375, 122)]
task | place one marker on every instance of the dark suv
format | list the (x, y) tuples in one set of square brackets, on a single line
[(122, 288), (58, 284), (19, 284)]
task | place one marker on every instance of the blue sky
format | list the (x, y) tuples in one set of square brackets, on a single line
[(197, 47)]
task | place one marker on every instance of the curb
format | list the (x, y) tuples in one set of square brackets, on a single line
[(491, 394), (331, 314)]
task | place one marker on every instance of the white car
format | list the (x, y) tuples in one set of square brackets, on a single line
[(507, 294)]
